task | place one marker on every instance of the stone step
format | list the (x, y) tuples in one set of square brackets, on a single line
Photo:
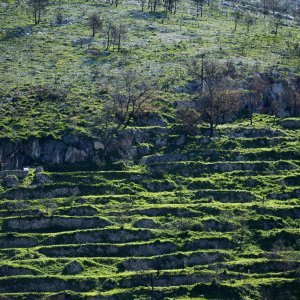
[(52, 224), (100, 236), (198, 169), (110, 250), (211, 155)]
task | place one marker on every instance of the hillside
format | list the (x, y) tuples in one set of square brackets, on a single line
[(59, 59), (149, 149), (201, 218)]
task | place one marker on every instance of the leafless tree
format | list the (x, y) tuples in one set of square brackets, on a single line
[(115, 34), (131, 94), (237, 16), (198, 5), (249, 20), (153, 4), (294, 99), (38, 7), (115, 2), (256, 88), (142, 4), (170, 6), (95, 23), (217, 95), (218, 104), (276, 23), (188, 119)]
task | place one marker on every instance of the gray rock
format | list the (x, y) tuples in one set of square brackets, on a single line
[(184, 104), (74, 155), (53, 223), (145, 223), (42, 178), (290, 123), (143, 150), (7, 270), (181, 140), (98, 146), (10, 181), (152, 119), (39, 169), (160, 142), (81, 211), (73, 268)]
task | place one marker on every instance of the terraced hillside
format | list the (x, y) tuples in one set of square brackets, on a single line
[(199, 217)]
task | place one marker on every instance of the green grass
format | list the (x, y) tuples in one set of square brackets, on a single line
[(157, 44), (221, 222)]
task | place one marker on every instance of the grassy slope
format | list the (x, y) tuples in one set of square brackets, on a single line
[(210, 204), (154, 43)]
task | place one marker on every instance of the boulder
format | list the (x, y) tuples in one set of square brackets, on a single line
[(73, 268), (180, 140), (98, 146), (10, 181), (152, 119), (39, 169), (42, 178), (145, 223)]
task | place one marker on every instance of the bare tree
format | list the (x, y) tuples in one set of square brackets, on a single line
[(198, 4), (115, 2), (276, 23), (131, 95), (237, 16), (188, 119), (153, 4), (249, 21), (276, 106), (217, 105), (170, 6), (95, 23), (216, 94), (115, 34), (121, 33), (256, 88), (142, 4), (273, 5), (38, 7), (196, 70)]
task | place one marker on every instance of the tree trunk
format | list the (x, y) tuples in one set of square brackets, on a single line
[(251, 116), (211, 129)]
